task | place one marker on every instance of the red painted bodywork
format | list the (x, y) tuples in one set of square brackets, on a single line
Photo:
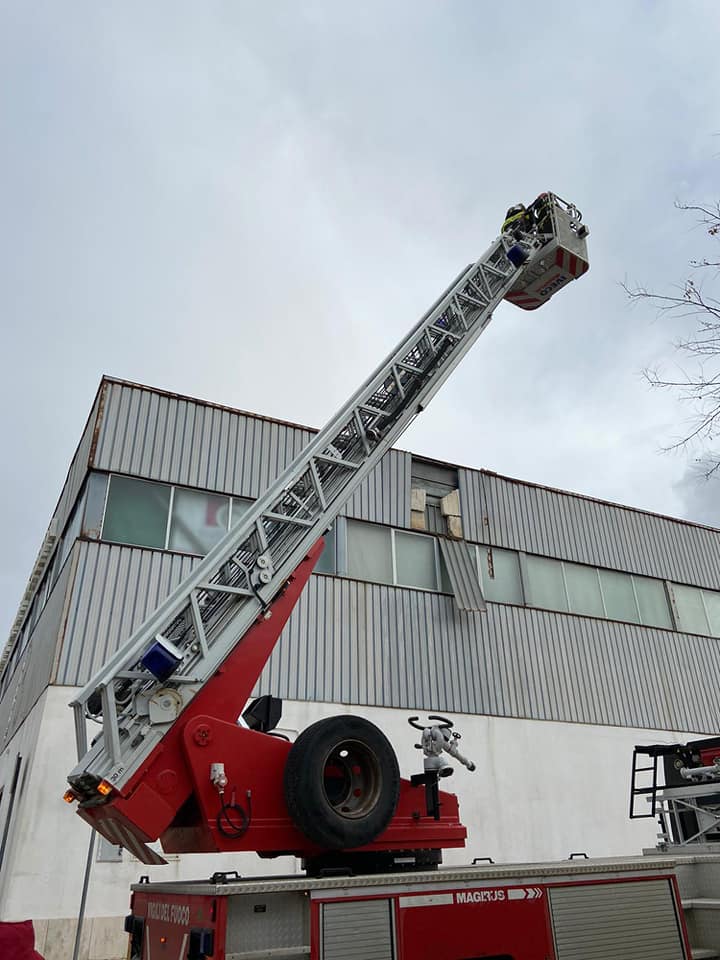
[(431, 921), (168, 920), (171, 797)]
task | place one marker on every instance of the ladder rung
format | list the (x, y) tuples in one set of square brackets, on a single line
[(326, 458), (286, 518), (225, 588)]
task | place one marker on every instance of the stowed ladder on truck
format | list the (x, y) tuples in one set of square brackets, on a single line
[(171, 761)]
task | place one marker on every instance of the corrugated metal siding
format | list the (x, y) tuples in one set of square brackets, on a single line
[(634, 920), (508, 513), (78, 467), (352, 642), (357, 930), (116, 588), (177, 440), (34, 671), (384, 496)]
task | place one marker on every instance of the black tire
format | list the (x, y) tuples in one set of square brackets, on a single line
[(342, 782)]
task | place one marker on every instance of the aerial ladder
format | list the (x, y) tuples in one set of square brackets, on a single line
[(173, 759)]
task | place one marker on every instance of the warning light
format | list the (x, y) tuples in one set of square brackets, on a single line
[(69, 796), (163, 939), (162, 659), (104, 788)]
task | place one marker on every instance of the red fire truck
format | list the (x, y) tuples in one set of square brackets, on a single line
[(177, 759)]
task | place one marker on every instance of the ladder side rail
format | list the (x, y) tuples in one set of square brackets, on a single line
[(427, 356)]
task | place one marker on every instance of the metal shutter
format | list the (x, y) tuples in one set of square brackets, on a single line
[(633, 920), (357, 930)]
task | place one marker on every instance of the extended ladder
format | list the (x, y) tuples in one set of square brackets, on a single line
[(207, 615)]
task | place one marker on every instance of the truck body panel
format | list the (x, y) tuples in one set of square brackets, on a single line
[(571, 910)]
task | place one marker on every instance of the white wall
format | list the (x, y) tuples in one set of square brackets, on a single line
[(541, 791)]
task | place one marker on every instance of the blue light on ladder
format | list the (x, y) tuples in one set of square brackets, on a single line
[(162, 659)]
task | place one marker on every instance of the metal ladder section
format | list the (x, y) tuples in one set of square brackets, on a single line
[(638, 790), (208, 614)]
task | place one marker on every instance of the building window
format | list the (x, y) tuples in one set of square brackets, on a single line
[(383, 555), (97, 487), (415, 561), (369, 549), (72, 532), (619, 596), (327, 561), (583, 590), (239, 509), (136, 512), (698, 610), (653, 602), (591, 592), (712, 608), (108, 852), (500, 575), (546, 583), (198, 520)]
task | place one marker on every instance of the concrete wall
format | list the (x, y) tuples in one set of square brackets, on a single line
[(541, 791)]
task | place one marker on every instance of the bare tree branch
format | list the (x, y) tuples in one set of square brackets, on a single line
[(700, 386)]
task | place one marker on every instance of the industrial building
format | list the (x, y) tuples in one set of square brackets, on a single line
[(600, 631)]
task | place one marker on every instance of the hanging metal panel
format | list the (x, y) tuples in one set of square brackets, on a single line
[(461, 565)]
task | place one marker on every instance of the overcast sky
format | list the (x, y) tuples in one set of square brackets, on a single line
[(251, 203)]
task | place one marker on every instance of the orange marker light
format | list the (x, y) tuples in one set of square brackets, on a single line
[(163, 939), (69, 796), (104, 788)]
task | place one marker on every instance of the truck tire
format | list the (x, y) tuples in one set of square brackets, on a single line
[(342, 782)]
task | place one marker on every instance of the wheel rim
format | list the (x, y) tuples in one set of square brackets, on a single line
[(351, 779)]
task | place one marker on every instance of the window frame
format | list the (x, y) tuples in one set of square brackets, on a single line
[(436, 561)]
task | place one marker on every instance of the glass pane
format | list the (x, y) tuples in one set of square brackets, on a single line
[(500, 575), (547, 588), (198, 520), (445, 584), (369, 552), (136, 512), (326, 562), (690, 608), (95, 504), (415, 561), (712, 605), (239, 509), (583, 587), (619, 596), (72, 532), (653, 602)]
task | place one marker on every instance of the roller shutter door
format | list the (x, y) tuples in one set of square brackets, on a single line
[(633, 920), (359, 930)]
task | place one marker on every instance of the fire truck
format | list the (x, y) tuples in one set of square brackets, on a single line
[(179, 757)]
